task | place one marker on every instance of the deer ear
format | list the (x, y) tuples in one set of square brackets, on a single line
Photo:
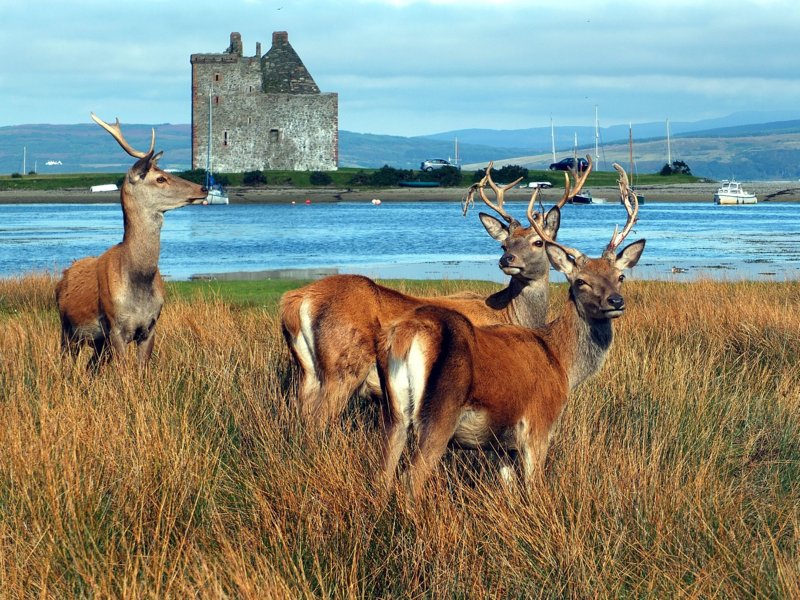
[(494, 227), (629, 255), (142, 166), (560, 260), (552, 222)]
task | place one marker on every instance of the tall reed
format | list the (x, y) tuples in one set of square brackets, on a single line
[(674, 473)]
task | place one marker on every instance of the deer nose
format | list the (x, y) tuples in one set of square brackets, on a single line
[(616, 301), (507, 259), (204, 189)]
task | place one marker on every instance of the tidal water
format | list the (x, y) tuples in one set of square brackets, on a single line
[(404, 239)]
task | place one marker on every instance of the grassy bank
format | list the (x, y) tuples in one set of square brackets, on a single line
[(674, 473), (340, 179)]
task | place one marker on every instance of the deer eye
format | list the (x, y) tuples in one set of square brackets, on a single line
[(580, 282), (622, 278), (161, 179), (538, 243)]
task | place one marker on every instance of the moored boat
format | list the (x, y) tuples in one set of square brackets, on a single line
[(731, 192), (585, 197), (418, 184)]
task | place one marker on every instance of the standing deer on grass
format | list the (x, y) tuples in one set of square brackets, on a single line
[(331, 326), (117, 297), (501, 386)]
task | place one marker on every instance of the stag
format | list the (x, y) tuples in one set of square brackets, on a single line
[(113, 299), (504, 386), (331, 326)]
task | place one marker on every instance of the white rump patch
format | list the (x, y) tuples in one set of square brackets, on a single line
[(407, 381), (416, 377), (304, 346)]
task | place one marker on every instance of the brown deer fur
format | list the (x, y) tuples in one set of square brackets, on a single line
[(117, 297), (500, 386), (331, 326)]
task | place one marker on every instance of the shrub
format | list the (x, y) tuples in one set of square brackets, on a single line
[(320, 178), (254, 178), (16, 175), (359, 179), (388, 176), (678, 167), (507, 174), (194, 175), (447, 176)]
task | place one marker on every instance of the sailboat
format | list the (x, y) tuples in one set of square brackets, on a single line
[(216, 193)]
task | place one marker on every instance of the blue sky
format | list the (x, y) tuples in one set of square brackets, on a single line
[(413, 67)]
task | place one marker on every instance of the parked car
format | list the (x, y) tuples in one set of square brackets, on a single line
[(434, 163), (567, 164)]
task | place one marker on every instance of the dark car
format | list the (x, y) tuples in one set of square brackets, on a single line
[(568, 164)]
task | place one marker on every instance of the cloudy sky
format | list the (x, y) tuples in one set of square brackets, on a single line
[(413, 67)]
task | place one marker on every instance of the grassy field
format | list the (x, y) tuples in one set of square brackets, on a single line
[(674, 473)]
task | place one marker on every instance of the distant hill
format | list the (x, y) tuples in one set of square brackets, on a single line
[(717, 149), (86, 147), (768, 151)]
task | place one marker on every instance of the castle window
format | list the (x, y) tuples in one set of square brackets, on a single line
[(216, 99), (225, 139), (274, 136), (217, 77)]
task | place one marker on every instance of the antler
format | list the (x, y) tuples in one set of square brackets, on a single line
[(569, 192), (580, 180), (499, 192), (116, 131), (537, 222), (632, 208)]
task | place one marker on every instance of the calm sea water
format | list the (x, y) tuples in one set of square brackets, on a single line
[(404, 239)]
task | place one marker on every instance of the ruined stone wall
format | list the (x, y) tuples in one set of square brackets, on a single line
[(267, 112)]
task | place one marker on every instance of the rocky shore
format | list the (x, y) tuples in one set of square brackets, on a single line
[(767, 191)]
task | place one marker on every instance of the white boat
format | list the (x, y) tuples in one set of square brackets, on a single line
[(105, 187), (216, 194), (731, 192)]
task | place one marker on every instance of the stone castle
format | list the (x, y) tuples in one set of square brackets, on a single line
[(266, 112)]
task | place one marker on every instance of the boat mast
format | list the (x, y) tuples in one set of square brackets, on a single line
[(630, 146), (208, 155), (669, 150), (596, 136), (553, 139)]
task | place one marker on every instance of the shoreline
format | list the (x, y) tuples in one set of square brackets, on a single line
[(767, 191)]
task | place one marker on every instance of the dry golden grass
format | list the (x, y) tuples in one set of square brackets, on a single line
[(674, 473)]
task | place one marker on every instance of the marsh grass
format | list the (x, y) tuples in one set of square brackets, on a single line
[(674, 473)]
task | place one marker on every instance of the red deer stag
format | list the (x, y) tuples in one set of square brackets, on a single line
[(117, 296), (501, 386), (331, 326)]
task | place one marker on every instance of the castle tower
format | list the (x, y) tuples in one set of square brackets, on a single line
[(267, 113)]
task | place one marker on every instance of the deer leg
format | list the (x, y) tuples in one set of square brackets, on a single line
[(395, 435), (100, 353), (532, 454), (145, 348), (435, 432), (333, 396)]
